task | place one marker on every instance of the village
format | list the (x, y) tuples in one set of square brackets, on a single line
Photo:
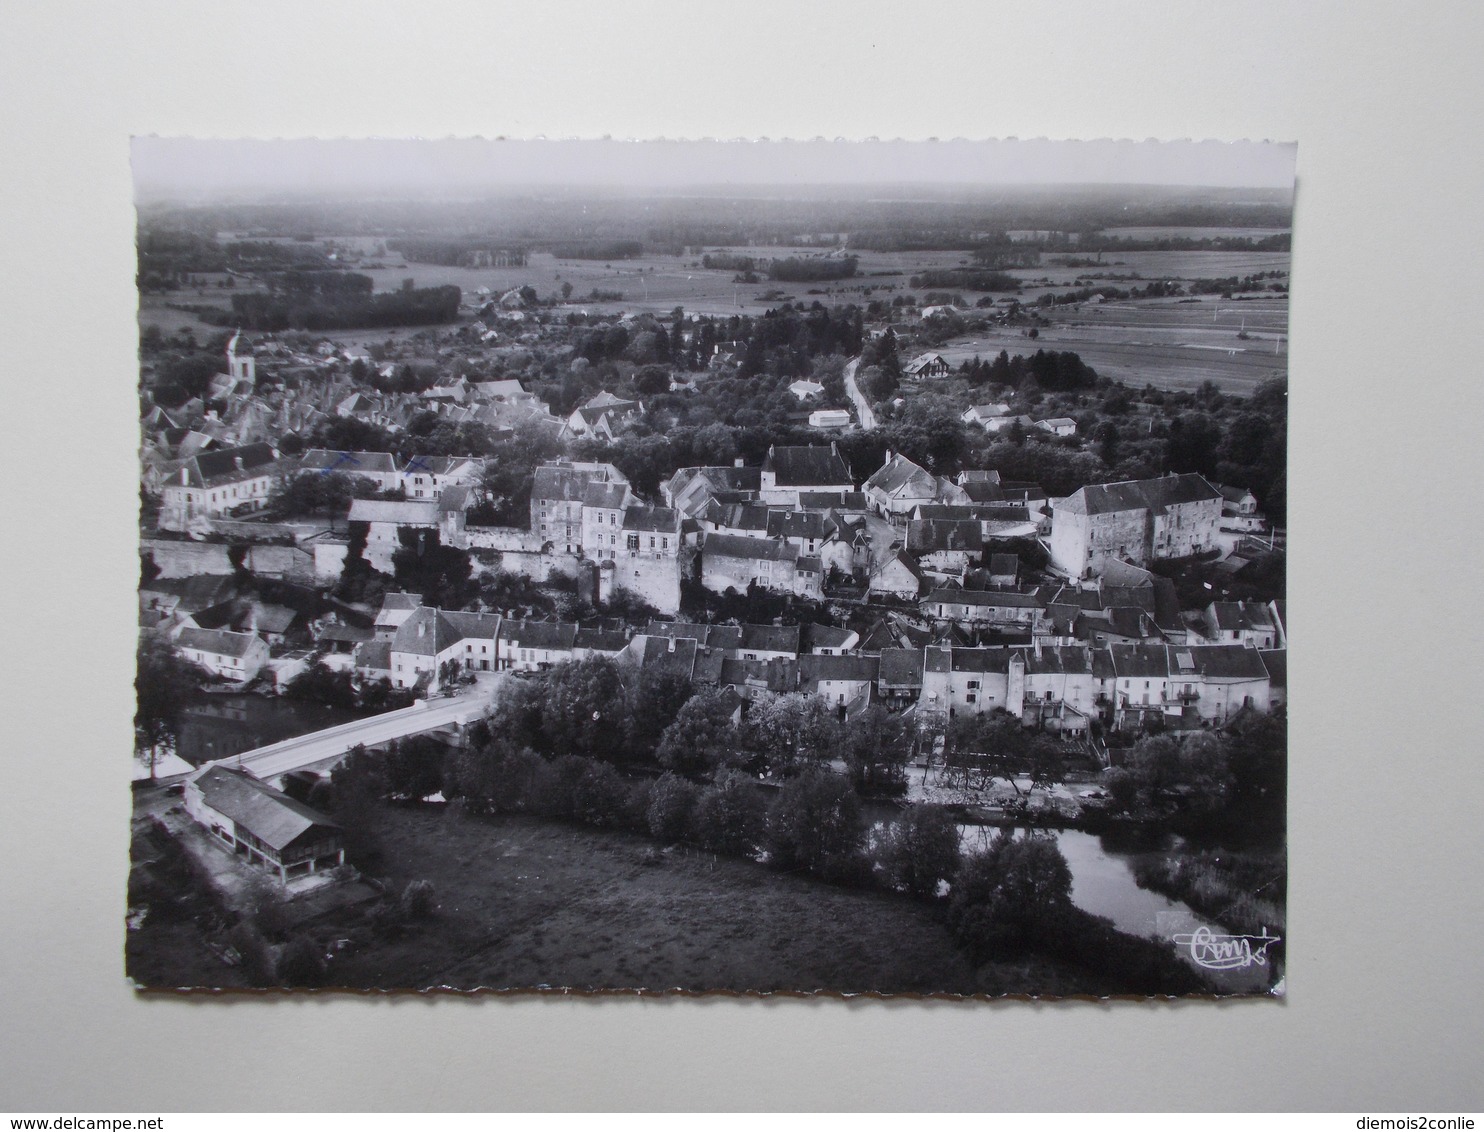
[(403, 525)]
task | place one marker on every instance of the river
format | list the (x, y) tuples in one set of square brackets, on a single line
[(216, 726), (1103, 884)]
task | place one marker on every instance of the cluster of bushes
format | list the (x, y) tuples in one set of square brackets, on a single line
[(809, 270), (598, 249), (456, 253), (1243, 891), (341, 310), (320, 684), (966, 279)]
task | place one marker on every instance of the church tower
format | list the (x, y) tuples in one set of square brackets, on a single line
[(240, 360)]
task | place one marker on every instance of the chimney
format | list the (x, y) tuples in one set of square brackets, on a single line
[(185, 476), (737, 463), (238, 461), (670, 642)]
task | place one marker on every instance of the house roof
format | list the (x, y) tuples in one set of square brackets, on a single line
[(566, 482), (826, 500), (900, 668), (272, 618), (401, 601), (375, 655), (651, 519), (925, 536), (351, 463), (223, 642), (770, 638), (1136, 495), (1070, 660), (776, 675), (900, 476), (556, 635), (426, 632), (227, 465), (980, 660), (1227, 662), (1276, 663), (609, 495), (748, 549), (806, 466), (600, 640), (814, 669), (1140, 660), (815, 636), (799, 524), (269, 815)]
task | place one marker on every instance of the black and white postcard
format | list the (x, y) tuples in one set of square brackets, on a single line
[(843, 567)]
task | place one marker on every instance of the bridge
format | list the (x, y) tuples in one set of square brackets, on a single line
[(320, 750)]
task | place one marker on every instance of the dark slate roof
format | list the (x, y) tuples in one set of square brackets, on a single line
[(600, 640), (776, 675), (478, 626), (658, 519), (800, 524), (824, 500), (813, 636), (401, 600), (561, 481), (924, 536), (937, 659), (1135, 495), (1140, 660), (1073, 660), (600, 494), (456, 498), (899, 473), (1227, 662), (814, 669), (900, 668), (1276, 663), (198, 591), (375, 655), (770, 638), (427, 632), (749, 549), (351, 463), (980, 660), (219, 641), (667, 656), (268, 814), (806, 466), (211, 469), (538, 634), (1002, 599)]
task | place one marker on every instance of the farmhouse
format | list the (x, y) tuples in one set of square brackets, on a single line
[(732, 562), (926, 365), (899, 486), (262, 824)]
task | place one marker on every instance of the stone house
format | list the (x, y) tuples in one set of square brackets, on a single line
[(216, 483), (788, 470), (235, 656), (1138, 521)]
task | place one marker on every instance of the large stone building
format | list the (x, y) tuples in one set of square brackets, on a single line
[(1136, 521), (232, 480)]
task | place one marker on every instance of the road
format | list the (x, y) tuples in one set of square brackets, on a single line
[(323, 748), (863, 411)]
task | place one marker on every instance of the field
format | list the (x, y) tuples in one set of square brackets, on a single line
[(1159, 342), (526, 903)]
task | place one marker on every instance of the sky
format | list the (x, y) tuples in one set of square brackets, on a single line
[(175, 167)]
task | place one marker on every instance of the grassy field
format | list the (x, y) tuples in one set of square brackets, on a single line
[(526, 903), (1173, 346)]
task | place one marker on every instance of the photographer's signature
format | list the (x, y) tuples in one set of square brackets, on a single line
[(1218, 952)]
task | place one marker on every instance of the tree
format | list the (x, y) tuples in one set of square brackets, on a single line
[(784, 732), (815, 819), (922, 849), (1001, 897), (654, 703), (701, 737), (322, 493), (163, 685), (424, 565), (729, 816), (414, 766), (583, 709), (671, 803), (876, 746)]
